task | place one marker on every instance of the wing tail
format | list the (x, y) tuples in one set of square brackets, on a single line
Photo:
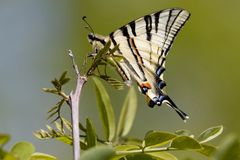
[(182, 114)]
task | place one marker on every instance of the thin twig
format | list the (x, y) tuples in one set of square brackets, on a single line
[(74, 101), (70, 53)]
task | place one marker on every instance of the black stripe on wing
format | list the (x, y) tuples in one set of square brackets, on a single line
[(166, 27), (148, 21), (160, 27), (137, 56), (133, 28), (169, 29), (112, 39), (122, 72), (156, 16)]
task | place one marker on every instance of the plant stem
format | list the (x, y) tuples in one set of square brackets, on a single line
[(145, 150), (74, 101)]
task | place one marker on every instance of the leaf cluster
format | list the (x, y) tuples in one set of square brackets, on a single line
[(106, 57), (115, 145), (55, 111), (21, 151), (155, 145)]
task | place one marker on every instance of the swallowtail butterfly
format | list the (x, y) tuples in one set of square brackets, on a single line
[(144, 43)]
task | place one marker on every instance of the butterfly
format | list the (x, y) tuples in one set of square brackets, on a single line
[(144, 44)]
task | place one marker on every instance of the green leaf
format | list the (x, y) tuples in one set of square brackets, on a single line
[(53, 109), (63, 76), (114, 49), (91, 134), (98, 153), (56, 84), (64, 79), (120, 157), (22, 150), (128, 112), (100, 56), (121, 148), (210, 134), (155, 138), (118, 58), (162, 155), (184, 132), (185, 143), (4, 138), (50, 128), (103, 51), (142, 156), (83, 145), (49, 90), (207, 150), (126, 147), (229, 149), (105, 110), (132, 141), (82, 128), (111, 61), (59, 127), (65, 139), (113, 82), (42, 156), (9, 156), (2, 153), (67, 124)]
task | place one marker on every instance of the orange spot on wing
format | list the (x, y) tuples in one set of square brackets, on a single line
[(146, 84)]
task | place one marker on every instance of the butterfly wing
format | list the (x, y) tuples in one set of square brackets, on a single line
[(145, 43), (160, 27), (148, 72), (154, 34)]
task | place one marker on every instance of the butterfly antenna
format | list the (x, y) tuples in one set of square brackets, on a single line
[(88, 25), (182, 114), (89, 28)]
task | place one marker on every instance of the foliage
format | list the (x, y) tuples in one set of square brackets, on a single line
[(115, 145), (21, 151)]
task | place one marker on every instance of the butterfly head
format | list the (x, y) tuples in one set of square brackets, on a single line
[(97, 42)]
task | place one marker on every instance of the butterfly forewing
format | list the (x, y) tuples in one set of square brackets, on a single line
[(160, 27)]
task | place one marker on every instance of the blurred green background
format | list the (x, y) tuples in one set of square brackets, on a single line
[(202, 68)]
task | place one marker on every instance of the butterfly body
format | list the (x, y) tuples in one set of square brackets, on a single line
[(144, 44)]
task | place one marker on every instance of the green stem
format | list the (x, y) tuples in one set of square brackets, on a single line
[(145, 150)]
